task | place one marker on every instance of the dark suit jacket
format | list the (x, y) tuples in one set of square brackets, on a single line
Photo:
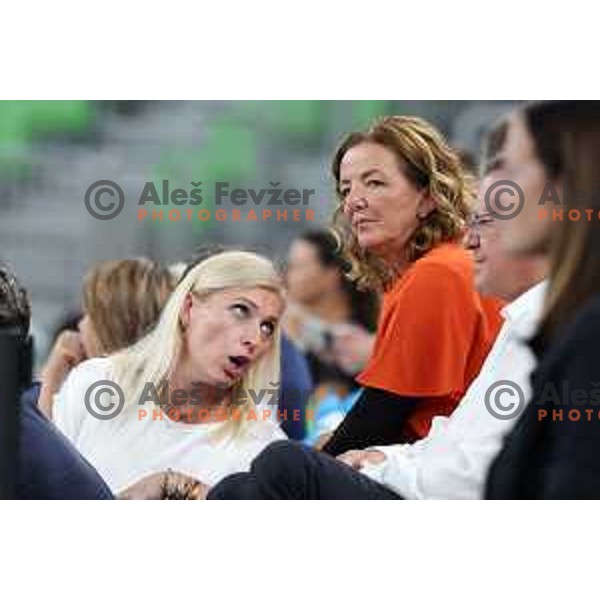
[(50, 468), (544, 456), (296, 388)]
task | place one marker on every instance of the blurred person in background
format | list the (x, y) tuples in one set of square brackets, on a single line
[(331, 321), (552, 152), (468, 161), (218, 334), (48, 466), (404, 198), (122, 300), (296, 389)]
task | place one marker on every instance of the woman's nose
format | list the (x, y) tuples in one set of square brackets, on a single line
[(471, 238), (251, 339), (354, 201)]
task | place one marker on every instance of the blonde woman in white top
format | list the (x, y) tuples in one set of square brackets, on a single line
[(217, 339)]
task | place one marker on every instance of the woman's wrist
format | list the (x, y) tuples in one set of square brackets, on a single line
[(175, 486), (54, 372)]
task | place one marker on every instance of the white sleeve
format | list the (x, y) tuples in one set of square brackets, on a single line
[(440, 468), (453, 460), (69, 411), (404, 463)]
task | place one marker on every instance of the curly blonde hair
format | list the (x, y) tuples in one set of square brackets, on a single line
[(428, 162)]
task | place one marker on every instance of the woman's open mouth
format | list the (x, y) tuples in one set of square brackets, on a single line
[(236, 365)]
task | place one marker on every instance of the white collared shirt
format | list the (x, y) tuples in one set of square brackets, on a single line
[(453, 460)]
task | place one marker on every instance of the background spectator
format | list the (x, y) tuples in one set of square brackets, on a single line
[(122, 301)]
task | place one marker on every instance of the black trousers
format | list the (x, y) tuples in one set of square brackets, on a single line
[(287, 470)]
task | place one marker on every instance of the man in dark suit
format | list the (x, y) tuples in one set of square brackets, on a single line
[(39, 463)]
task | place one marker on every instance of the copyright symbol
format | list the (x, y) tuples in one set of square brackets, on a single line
[(100, 199), (504, 209), (100, 407), (504, 400)]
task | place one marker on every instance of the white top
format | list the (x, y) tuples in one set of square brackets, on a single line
[(126, 448), (453, 460)]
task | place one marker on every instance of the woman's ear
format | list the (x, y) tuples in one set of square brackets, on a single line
[(186, 311), (425, 206)]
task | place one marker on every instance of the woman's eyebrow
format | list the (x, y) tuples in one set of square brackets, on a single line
[(365, 174), (273, 318), (370, 172), (244, 299)]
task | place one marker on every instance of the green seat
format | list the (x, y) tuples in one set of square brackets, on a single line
[(14, 138), (21, 121), (364, 112), (297, 120), (60, 116)]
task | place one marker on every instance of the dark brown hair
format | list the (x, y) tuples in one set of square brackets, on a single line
[(15, 310), (566, 136)]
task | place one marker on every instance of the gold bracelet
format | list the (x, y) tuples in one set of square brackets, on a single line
[(175, 487), (169, 491)]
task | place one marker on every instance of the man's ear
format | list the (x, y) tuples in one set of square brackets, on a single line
[(425, 206), (186, 310)]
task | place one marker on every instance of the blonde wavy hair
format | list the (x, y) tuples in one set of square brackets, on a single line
[(154, 357), (428, 162)]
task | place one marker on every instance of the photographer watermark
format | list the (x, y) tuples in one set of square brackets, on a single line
[(105, 400), (504, 400), (563, 402), (504, 200), (104, 200), (554, 402), (509, 199)]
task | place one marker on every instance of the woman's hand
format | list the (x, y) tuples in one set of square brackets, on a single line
[(357, 459), (66, 354), (167, 485), (148, 488), (352, 347)]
